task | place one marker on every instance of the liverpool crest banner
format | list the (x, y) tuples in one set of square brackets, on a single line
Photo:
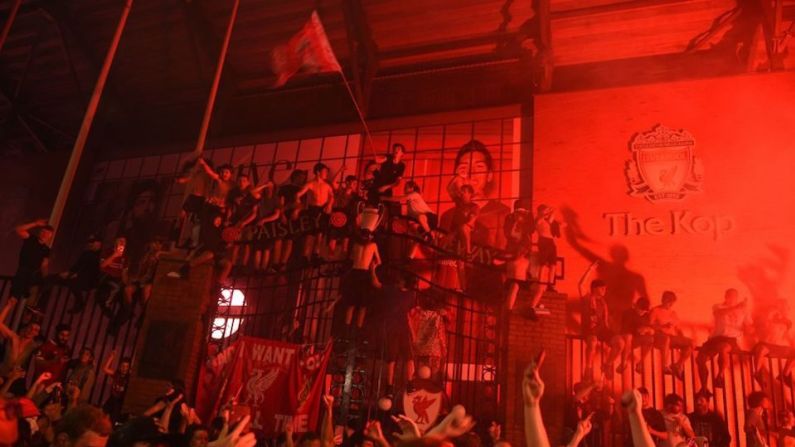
[(278, 383)]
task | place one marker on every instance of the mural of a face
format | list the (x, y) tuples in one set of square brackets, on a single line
[(474, 167)]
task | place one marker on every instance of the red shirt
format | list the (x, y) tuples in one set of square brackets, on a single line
[(52, 358), (116, 267)]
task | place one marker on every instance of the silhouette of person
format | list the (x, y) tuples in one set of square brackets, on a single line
[(625, 285)]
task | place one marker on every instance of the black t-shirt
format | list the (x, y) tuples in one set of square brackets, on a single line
[(31, 255), (631, 322), (388, 173), (711, 426), (242, 204), (210, 238), (87, 266)]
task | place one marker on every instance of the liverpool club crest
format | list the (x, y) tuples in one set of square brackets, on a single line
[(663, 165)]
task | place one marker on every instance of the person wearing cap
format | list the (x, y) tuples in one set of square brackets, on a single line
[(668, 334), (596, 326)]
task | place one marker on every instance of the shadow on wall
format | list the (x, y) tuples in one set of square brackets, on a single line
[(623, 285), (764, 279)]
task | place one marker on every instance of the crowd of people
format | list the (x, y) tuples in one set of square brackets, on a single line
[(250, 227)]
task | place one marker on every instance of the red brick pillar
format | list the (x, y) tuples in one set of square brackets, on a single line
[(525, 339), (173, 335)]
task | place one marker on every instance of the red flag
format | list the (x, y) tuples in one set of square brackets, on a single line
[(281, 383), (308, 51)]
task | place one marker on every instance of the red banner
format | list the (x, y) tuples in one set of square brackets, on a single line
[(308, 51), (280, 382)]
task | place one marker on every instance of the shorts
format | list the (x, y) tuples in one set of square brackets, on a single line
[(547, 251), (677, 341), (357, 288), (711, 345), (262, 241), (433, 219), (316, 214), (603, 334), (21, 285), (193, 204)]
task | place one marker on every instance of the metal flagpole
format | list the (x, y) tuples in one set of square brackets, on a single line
[(91, 111), (208, 111), (359, 111), (9, 22)]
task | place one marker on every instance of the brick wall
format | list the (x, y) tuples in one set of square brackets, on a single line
[(525, 339), (173, 334)]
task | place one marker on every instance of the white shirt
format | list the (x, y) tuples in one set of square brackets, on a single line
[(731, 323), (675, 425), (416, 205)]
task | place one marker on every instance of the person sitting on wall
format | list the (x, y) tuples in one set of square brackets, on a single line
[(596, 325), (774, 341), (81, 278), (289, 211), (668, 334), (636, 332), (197, 188), (222, 185), (80, 375), (416, 207), (731, 320)]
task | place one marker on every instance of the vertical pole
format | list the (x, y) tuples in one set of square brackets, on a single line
[(88, 119), (219, 68), (7, 26)]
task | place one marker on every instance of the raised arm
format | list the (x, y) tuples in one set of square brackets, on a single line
[(208, 170), (23, 230), (327, 425), (581, 286), (532, 390), (106, 367), (5, 331)]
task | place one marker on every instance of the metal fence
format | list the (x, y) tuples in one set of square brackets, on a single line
[(730, 400), (89, 329)]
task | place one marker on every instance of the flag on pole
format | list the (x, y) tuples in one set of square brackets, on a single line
[(308, 51)]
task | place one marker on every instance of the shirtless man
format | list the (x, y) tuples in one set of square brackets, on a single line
[(197, 187), (223, 183), (320, 199), (668, 334), (731, 320), (20, 346), (361, 281)]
